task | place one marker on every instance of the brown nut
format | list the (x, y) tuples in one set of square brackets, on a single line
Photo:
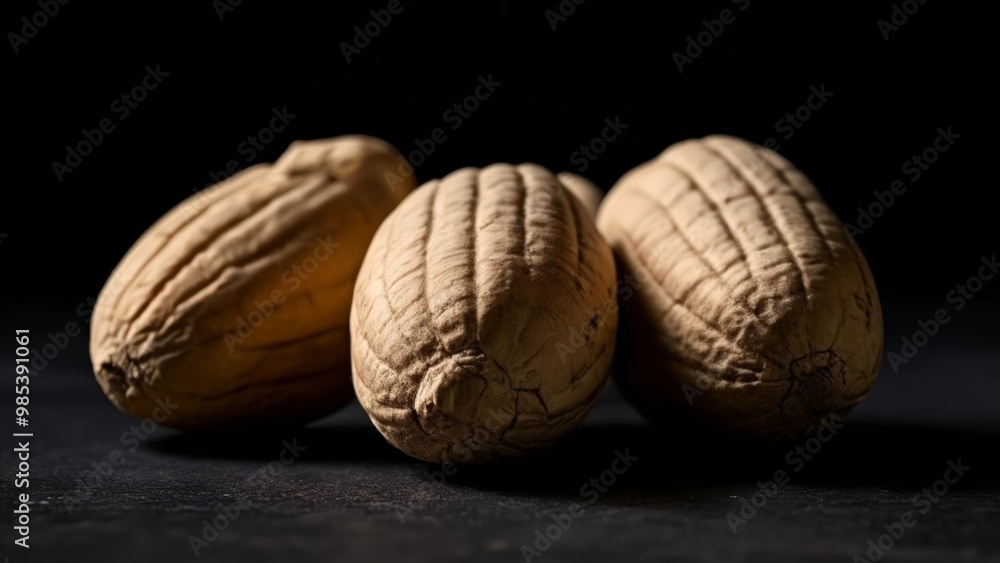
[(753, 310), (234, 306), (484, 317)]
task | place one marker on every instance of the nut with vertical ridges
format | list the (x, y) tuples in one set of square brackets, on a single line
[(484, 317)]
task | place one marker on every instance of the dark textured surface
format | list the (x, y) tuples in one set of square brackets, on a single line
[(352, 497)]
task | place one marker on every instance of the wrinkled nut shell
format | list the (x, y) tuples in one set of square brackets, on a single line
[(484, 317), (749, 307), (584, 190), (234, 306)]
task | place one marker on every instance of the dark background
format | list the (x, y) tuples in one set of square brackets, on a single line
[(606, 60)]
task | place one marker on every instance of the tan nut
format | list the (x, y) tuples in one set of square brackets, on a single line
[(484, 316), (584, 190), (749, 307), (234, 306)]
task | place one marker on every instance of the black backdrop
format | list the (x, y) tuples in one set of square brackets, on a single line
[(228, 68), (606, 60)]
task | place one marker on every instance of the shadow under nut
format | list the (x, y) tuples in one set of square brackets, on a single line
[(235, 305), (749, 307), (484, 317)]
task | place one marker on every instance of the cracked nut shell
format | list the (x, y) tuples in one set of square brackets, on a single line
[(484, 317), (234, 306), (747, 307)]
